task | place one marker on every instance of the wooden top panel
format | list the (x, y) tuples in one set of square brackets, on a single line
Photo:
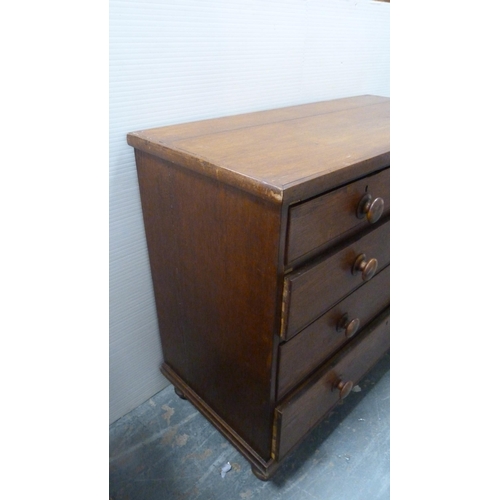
[(280, 152)]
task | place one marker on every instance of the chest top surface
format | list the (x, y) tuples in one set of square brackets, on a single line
[(283, 153)]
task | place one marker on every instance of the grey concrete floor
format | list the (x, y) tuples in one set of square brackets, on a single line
[(165, 449)]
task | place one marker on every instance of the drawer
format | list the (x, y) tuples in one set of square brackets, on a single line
[(323, 220), (311, 291), (299, 413), (317, 342)]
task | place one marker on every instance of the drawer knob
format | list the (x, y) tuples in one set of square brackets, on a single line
[(344, 388), (349, 327), (367, 268), (370, 208)]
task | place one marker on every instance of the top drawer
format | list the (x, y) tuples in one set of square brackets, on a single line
[(324, 219)]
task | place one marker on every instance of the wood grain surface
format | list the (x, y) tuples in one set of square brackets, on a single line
[(321, 339), (296, 416), (264, 153), (312, 290), (326, 219), (214, 258), (223, 202)]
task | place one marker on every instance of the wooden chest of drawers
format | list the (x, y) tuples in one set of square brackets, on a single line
[(268, 237)]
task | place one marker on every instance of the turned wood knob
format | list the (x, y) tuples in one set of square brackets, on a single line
[(344, 387), (367, 268), (370, 208), (349, 327)]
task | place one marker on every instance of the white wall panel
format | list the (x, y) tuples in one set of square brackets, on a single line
[(178, 61)]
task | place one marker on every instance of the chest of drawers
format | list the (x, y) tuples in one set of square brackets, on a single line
[(268, 239)]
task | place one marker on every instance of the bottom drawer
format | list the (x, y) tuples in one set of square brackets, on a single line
[(300, 412)]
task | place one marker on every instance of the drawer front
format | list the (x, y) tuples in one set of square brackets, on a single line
[(311, 291), (323, 220), (317, 342), (307, 406)]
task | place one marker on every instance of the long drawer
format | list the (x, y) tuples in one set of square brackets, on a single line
[(322, 220), (311, 291), (304, 408), (313, 345)]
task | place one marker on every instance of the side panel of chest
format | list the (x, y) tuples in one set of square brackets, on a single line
[(214, 253)]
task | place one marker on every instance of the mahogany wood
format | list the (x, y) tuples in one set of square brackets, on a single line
[(326, 218), (266, 467), (297, 415), (321, 339), (312, 290), (214, 258), (224, 202), (301, 150)]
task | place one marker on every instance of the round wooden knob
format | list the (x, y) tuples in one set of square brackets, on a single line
[(344, 388), (367, 268), (349, 327), (370, 208)]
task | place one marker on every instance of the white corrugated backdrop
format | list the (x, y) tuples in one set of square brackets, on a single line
[(184, 60)]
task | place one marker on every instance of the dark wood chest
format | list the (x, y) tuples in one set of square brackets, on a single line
[(268, 238)]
